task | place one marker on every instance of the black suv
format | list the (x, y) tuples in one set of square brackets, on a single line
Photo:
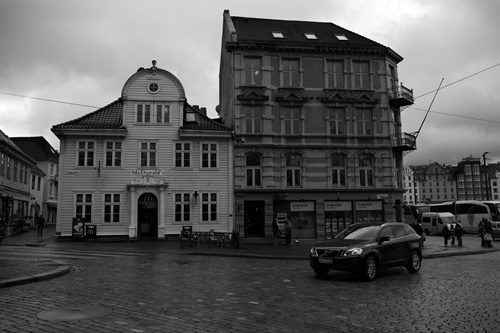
[(367, 247)]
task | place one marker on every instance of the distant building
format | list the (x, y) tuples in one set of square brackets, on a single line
[(315, 110), (15, 196), (412, 194), (47, 160), (435, 183), (471, 180), (145, 165)]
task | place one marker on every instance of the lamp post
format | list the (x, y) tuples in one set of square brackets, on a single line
[(486, 175)]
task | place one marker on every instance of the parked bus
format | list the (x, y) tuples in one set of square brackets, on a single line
[(413, 213), (494, 209), (469, 213)]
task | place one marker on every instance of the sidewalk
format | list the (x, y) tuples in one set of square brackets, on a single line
[(15, 272)]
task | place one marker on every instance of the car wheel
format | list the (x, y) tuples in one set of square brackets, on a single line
[(415, 262), (321, 271), (371, 268)]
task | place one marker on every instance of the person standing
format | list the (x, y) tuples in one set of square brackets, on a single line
[(488, 237), (420, 231), (40, 221), (481, 231), (452, 234), (288, 232), (459, 231), (276, 231), (446, 234)]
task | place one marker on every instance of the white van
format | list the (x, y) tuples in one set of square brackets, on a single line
[(433, 223)]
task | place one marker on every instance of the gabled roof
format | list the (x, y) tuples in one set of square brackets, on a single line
[(7, 145), (259, 31), (107, 117), (37, 148)]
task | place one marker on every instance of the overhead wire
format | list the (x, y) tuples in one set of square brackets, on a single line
[(49, 100)]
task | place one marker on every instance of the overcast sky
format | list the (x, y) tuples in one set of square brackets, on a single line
[(83, 52)]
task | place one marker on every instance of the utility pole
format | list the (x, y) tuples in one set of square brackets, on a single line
[(486, 176)]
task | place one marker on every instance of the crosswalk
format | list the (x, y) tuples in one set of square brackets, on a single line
[(23, 253)]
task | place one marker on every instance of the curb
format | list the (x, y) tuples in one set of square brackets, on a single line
[(36, 278)]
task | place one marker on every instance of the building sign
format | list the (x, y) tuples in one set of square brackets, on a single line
[(139, 172), (368, 205), (338, 206), (301, 206), (72, 173)]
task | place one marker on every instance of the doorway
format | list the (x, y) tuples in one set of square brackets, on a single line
[(254, 219), (147, 219)]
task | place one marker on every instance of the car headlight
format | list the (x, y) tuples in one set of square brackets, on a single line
[(353, 252)]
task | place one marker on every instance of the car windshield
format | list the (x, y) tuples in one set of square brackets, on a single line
[(363, 233)]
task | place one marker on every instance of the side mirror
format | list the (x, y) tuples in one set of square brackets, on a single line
[(383, 239)]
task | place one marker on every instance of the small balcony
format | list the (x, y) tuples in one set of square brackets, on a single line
[(403, 142), (400, 96)]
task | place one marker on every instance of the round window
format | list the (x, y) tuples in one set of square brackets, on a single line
[(153, 87)]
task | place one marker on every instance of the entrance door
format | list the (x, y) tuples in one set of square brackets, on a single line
[(254, 219), (147, 219)]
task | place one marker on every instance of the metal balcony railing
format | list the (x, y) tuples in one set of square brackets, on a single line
[(404, 141), (401, 96)]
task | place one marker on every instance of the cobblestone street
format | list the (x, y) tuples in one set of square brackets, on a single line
[(181, 293)]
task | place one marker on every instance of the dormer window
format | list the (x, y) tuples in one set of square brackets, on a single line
[(278, 34), (341, 37), (310, 36)]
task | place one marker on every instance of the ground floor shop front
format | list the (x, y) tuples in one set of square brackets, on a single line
[(312, 215)]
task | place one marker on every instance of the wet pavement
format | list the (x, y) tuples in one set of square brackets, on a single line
[(16, 272)]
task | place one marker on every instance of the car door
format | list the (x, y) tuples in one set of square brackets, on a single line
[(402, 246), (386, 249)]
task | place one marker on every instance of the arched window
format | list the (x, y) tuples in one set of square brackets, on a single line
[(366, 170), (254, 171), (293, 170), (338, 163)]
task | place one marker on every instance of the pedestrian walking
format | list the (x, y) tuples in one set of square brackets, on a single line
[(40, 221), (488, 237), (288, 232), (459, 231), (481, 231), (446, 234), (417, 226)]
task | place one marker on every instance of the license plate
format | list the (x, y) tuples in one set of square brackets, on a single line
[(325, 261)]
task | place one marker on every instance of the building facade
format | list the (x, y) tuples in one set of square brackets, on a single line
[(15, 196), (471, 180), (315, 109), (412, 194), (145, 165), (436, 183), (47, 160)]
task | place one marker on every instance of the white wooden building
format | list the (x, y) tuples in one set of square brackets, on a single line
[(145, 165)]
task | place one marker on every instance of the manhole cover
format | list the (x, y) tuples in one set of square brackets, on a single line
[(74, 312)]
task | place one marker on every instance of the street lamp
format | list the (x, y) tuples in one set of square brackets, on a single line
[(486, 175)]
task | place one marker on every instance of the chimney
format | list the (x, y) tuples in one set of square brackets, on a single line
[(204, 111)]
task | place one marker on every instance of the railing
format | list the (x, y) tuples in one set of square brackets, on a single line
[(401, 94), (404, 140)]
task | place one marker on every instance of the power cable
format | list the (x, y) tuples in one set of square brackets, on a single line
[(458, 116), (49, 100)]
